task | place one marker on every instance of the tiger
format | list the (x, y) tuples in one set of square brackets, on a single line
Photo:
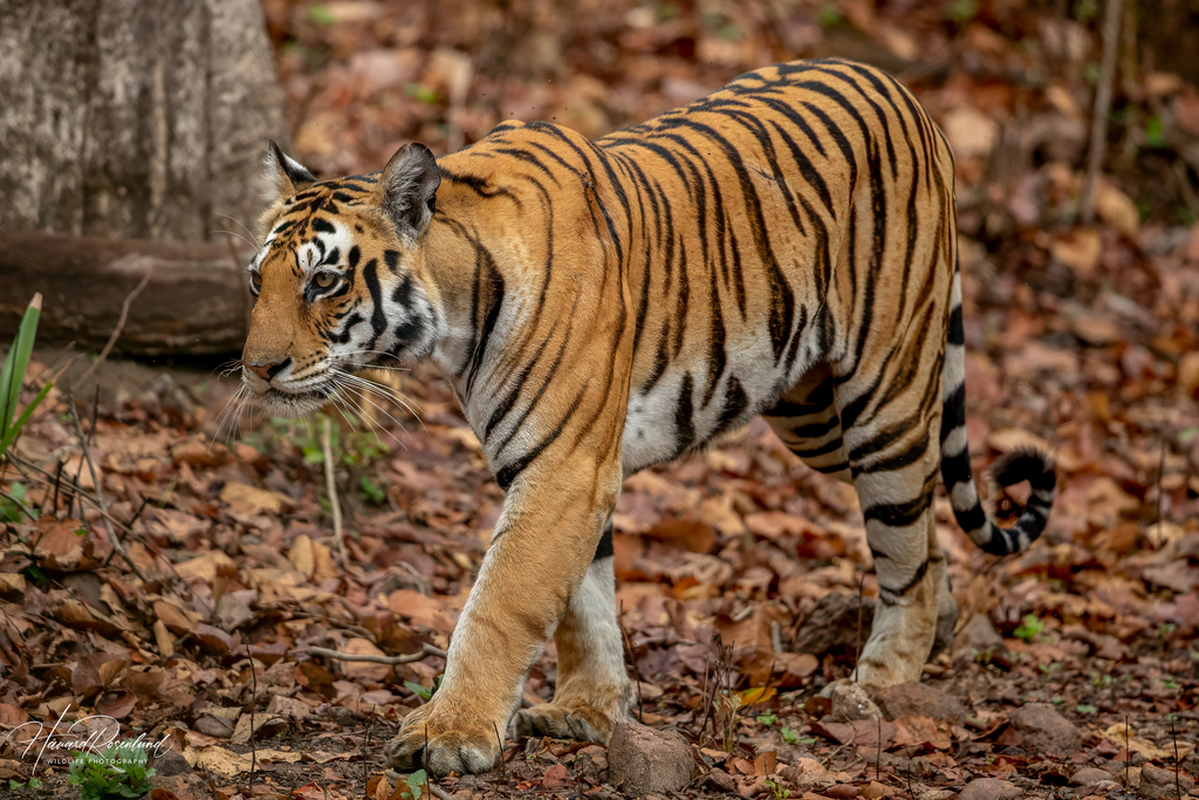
[(783, 247)]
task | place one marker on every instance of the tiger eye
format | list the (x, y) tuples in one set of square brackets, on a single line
[(256, 282), (324, 280)]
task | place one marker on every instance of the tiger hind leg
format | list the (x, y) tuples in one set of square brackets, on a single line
[(593, 692), (806, 419)]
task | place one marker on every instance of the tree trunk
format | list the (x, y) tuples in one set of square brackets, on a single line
[(134, 118)]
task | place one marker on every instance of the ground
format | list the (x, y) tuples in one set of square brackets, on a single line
[(183, 562)]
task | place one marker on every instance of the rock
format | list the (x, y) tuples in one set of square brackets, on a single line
[(721, 781), (916, 699), (833, 625), (1089, 776), (644, 761), (990, 789), (592, 761), (170, 763), (977, 636), (1045, 730), (1158, 784), (851, 702)]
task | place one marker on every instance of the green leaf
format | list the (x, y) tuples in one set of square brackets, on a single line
[(416, 783), (12, 376), (423, 692)]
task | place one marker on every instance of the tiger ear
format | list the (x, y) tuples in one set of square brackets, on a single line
[(409, 183), (284, 175)]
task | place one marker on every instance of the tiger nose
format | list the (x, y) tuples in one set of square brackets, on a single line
[(266, 371)]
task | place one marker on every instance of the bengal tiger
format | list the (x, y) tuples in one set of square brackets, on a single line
[(786, 246)]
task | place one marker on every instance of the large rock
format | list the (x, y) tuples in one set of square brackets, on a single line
[(645, 761), (990, 789), (1159, 784), (915, 699), (1044, 730)]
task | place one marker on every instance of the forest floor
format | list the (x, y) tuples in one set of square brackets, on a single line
[(182, 563)]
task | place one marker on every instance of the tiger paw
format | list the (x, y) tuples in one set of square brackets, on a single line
[(576, 721), (429, 740)]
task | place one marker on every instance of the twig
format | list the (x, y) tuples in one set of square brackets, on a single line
[(1127, 756), (253, 702), (116, 332), (426, 650), (19, 504), (1103, 104), (116, 542), (628, 648), (1177, 780), (857, 642), (331, 484), (878, 753)]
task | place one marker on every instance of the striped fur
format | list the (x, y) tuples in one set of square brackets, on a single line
[(784, 247)]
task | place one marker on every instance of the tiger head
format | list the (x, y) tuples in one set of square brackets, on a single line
[(339, 279)]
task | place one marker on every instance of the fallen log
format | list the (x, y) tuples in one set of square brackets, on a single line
[(196, 300)]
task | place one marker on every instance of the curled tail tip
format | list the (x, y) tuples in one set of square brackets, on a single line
[(1026, 464), (1036, 467)]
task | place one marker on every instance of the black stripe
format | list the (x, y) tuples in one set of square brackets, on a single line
[(604, 547), (684, 425)]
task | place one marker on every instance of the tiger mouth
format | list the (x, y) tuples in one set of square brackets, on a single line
[(295, 404)]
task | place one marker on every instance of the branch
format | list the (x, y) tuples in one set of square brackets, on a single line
[(426, 650), (1103, 104), (116, 331)]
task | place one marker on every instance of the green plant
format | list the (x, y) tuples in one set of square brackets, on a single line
[(12, 377), (116, 773), (767, 719), (1086, 708), (32, 783), (777, 792), (1030, 629), (830, 16), (371, 491), (793, 738), (963, 11), (416, 785), (423, 692)]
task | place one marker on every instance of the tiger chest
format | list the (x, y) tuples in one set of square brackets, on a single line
[(678, 409)]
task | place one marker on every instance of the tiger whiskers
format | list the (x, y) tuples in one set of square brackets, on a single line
[(229, 418), (371, 393), (252, 241)]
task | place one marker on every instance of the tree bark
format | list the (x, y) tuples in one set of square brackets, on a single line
[(134, 118), (196, 301)]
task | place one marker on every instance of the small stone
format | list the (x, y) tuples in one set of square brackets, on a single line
[(644, 761), (990, 789), (916, 699), (171, 763), (1089, 776), (721, 781), (1044, 730), (851, 702), (1159, 784)]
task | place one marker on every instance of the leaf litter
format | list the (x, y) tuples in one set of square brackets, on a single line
[(1081, 339)]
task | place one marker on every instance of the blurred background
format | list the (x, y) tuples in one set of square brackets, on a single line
[(129, 187)]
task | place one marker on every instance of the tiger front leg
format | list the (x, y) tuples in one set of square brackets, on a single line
[(593, 692), (536, 562)]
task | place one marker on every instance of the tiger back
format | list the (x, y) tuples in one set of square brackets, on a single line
[(785, 247)]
